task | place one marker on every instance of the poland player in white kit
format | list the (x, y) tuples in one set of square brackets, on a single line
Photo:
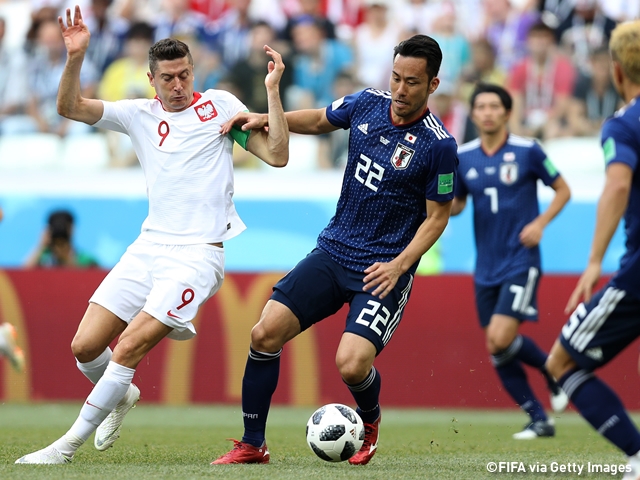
[(177, 262)]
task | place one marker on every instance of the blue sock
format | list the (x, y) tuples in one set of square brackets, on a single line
[(258, 384), (515, 383), (366, 394), (601, 407), (530, 354)]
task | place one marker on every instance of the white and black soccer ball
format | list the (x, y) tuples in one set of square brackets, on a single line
[(335, 432)]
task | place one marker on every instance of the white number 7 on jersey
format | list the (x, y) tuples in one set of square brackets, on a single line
[(493, 197)]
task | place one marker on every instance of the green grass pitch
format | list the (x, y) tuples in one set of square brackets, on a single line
[(161, 442)]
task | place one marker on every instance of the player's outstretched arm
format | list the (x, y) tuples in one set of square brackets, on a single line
[(611, 207), (272, 145), (531, 234), (381, 278), (70, 102)]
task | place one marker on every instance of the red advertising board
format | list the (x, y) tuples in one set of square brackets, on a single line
[(437, 357)]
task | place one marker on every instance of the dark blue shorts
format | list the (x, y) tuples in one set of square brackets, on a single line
[(597, 331), (516, 297), (318, 287)]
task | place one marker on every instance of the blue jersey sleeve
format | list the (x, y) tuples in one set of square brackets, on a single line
[(542, 165), (340, 111), (618, 145), (460, 189), (441, 178)]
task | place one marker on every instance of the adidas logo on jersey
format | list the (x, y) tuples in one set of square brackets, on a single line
[(472, 174), (364, 127)]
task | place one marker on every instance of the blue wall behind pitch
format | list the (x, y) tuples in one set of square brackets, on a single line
[(279, 233)]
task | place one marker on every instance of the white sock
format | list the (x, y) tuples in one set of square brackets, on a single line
[(94, 369), (106, 394)]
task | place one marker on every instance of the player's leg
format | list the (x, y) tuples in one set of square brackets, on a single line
[(595, 334), (504, 344), (9, 347), (142, 334), (370, 325), (306, 295)]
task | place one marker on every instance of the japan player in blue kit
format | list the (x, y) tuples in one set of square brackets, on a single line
[(609, 320), (395, 202), (501, 171)]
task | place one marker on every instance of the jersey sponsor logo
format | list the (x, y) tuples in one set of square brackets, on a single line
[(445, 183), (364, 127), (172, 315), (550, 167), (489, 170), (509, 173), (401, 157), (594, 353), (383, 140), (472, 174), (509, 156), (410, 138), (206, 111)]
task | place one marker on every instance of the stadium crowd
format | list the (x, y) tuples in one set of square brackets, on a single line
[(550, 54)]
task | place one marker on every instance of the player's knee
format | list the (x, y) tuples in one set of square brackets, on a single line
[(265, 340), (351, 370), (497, 343), (559, 363), (85, 351)]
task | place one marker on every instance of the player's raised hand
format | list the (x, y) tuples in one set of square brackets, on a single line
[(246, 121), (275, 68), (585, 285), (382, 277), (75, 33)]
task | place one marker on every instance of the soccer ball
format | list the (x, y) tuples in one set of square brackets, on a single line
[(335, 432)]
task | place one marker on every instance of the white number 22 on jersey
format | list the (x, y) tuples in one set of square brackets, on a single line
[(371, 169)]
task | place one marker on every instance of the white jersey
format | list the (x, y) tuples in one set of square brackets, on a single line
[(187, 164)]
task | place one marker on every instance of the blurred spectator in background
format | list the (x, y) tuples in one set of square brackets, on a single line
[(554, 12), (248, 74), (621, 10), (445, 104), (334, 147), (481, 69), (107, 34), (175, 19), (127, 78), (13, 82), (56, 245), (44, 70), (456, 52), (373, 43), (541, 85), (594, 97), (316, 65), (418, 16), (584, 30), (229, 35), (309, 8), (137, 10), (506, 30)]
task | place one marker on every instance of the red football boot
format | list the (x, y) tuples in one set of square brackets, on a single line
[(244, 453), (370, 445)]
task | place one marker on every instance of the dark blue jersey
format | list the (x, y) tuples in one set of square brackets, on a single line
[(391, 171), (505, 199), (621, 143)]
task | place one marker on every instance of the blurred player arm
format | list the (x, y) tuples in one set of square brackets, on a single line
[(611, 208), (458, 205), (531, 234), (382, 277), (71, 104)]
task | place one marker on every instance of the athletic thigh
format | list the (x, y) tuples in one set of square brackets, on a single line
[(373, 318), (314, 289), (601, 328)]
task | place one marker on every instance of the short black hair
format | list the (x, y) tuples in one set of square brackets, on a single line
[(167, 49), (141, 31), (60, 224), (541, 27), (505, 96), (421, 46)]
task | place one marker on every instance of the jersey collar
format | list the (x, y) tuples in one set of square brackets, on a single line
[(405, 125), (500, 147), (196, 96)]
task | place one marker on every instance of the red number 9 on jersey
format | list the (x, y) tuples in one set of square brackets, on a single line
[(163, 131), (187, 298)]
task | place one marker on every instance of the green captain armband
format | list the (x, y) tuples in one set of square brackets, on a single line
[(240, 136)]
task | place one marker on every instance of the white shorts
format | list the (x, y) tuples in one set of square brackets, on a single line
[(169, 282)]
